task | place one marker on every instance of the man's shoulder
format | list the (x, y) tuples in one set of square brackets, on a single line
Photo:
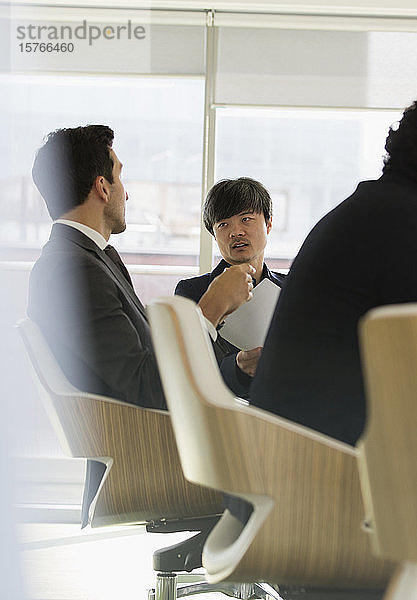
[(61, 251), (275, 276), (194, 287), (65, 240), (62, 257)]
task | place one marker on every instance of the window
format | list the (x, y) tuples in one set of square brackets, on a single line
[(309, 160), (158, 124)]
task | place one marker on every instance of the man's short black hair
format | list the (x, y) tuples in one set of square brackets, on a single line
[(401, 145), (230, 197), (67, 164)]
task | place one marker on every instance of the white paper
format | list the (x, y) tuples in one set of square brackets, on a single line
[(247, 327)]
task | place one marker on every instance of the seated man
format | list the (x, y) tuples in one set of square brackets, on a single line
[(360, 255), (238, 213), (80, 293)]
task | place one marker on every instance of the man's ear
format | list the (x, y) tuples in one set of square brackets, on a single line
[(102, 187), (269, 225)]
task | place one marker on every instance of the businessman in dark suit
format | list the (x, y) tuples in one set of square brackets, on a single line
[(360, 255), (80, 292), (238, 213)]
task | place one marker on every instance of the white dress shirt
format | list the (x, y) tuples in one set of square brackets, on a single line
[(91, 233)]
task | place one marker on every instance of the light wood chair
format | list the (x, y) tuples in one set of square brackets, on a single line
[(388, 447), (133, 469), (305, 529)]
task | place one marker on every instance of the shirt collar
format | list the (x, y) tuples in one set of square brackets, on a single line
[(88, 231)]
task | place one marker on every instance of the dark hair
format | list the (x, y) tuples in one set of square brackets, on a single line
[(232, 196), (66, 166), (401, 145)]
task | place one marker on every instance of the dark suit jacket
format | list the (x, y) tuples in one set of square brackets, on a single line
[(93, 321), (225, 352), (360, 255)]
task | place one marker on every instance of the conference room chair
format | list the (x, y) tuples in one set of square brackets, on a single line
[(388, 448), (305, 535), (133, 473)]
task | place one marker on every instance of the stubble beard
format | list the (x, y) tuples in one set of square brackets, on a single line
[(115, 220), (119, 227)]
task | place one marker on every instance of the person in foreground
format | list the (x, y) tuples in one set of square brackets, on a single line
[(238, 213), (80, 292), (360, 255)]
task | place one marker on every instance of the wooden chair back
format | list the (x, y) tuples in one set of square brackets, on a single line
[(143, 480), (388, 447), (306, 527)]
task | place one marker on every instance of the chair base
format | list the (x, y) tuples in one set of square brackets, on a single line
[(299, 593), (167, 589), (187, 555)]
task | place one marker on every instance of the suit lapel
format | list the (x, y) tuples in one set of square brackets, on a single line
[(220, 267), (121, 280), (77, 237)]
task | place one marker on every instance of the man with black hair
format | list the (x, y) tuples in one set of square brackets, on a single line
[(359, 256), (80, 292), (238, 213)]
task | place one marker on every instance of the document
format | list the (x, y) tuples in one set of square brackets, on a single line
[(247, 327)]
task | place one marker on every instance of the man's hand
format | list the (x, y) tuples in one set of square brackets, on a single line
[(247, 360), (227, 292)]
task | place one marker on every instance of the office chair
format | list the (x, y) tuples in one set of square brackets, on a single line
[(387, 451), (305, 531), (133, 470)]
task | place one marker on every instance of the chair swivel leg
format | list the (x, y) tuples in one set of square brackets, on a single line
[(166, 587)]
